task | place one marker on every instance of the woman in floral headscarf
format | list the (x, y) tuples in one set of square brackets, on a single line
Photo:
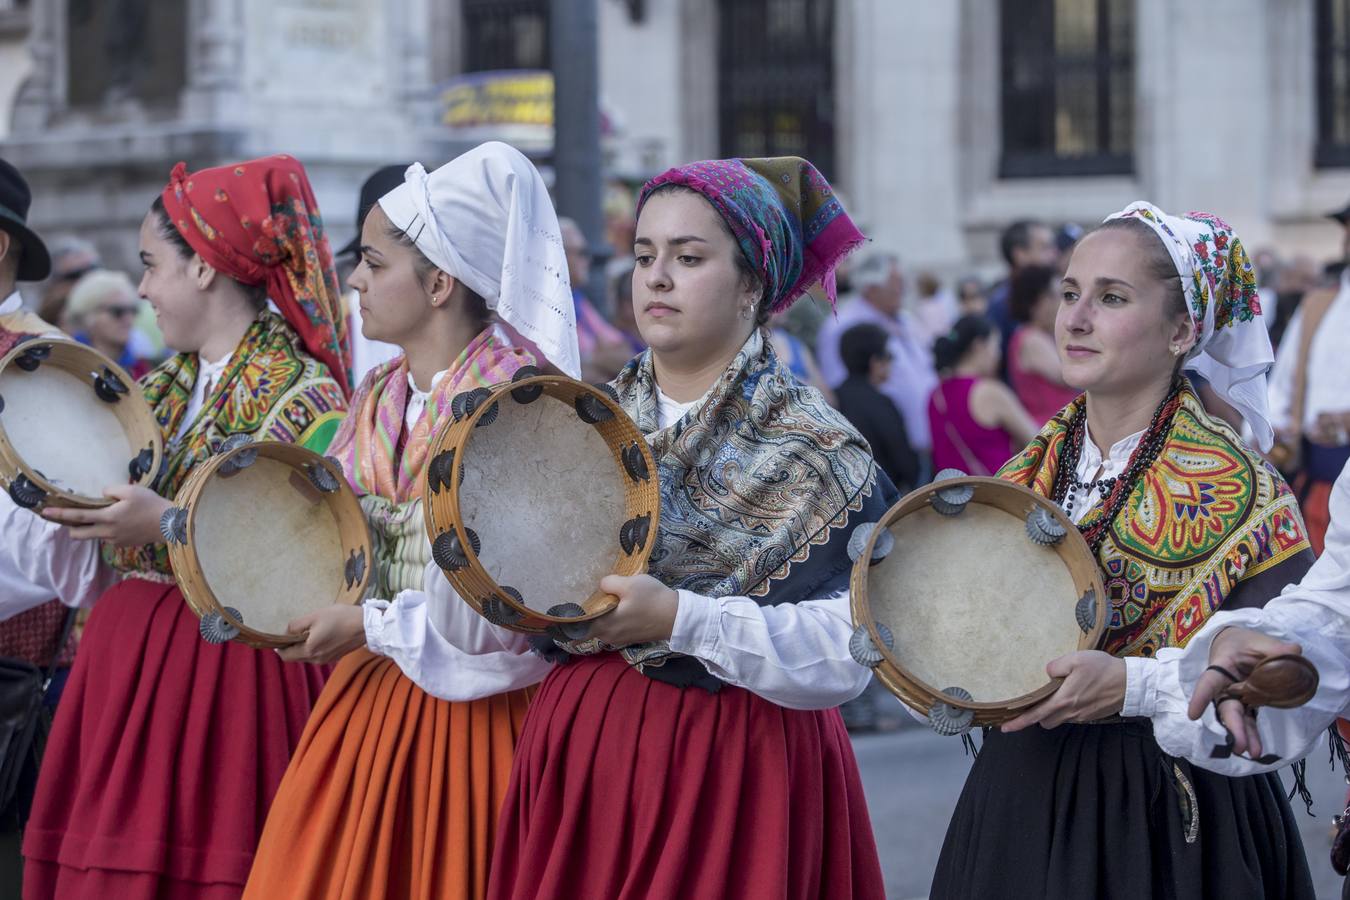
[(1074, 798), (166, 749)]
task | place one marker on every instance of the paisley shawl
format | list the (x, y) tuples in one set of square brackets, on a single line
[(760, 487), (1207, 518), (271, 389)]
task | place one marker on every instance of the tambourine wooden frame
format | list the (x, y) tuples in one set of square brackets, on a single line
[(138, 420), (1012, 498), (442, 511), (352, 530)]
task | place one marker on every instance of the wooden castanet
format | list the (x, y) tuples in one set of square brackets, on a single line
[(964, 591), (536, 490), (263, 533), (72, 423)]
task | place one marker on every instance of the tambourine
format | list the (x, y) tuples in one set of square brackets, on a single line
[(964, 591), (72, 423), (262, 533), (536, 490)]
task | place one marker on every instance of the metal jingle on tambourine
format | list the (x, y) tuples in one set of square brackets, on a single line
[(355, 568), (633, 534), (951, 720), (1043, 528), (463, 404), (108, 387), (443, 468), (500, 613), (609, 391), (634, 463), (592, 410), (1085, 611), (951, 501), (24, 493), (216, 629), (173, 525), (323, 479), (140, 464), (241, 460), (568, 631), (489, 416), (30, 359), (530, 392), (857, 543), (864, 650), (449, 554)]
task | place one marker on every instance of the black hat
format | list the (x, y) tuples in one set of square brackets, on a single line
[(15, 198), (381, 182), (1342, 215)]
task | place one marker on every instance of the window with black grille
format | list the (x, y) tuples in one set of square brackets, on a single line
[(1332, 37), (505, 34), (1067, 87), (776, 79)]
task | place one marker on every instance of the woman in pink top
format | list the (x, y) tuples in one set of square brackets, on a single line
[(976, 420), (1033, 361)]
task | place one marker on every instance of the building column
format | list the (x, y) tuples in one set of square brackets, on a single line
[(897, 88)]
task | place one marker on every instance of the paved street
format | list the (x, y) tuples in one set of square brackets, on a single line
[(913, 777)]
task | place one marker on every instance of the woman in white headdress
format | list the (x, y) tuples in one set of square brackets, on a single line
[(393, 792), (1075, 796)]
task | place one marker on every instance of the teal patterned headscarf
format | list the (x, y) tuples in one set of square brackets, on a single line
[(783, 214)]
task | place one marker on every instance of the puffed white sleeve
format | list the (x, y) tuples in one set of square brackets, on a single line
[(794, 654), (1163, 688), (446, 648), (1315, 614), (39, 560)]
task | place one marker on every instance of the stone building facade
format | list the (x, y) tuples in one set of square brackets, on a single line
[(939, 122)]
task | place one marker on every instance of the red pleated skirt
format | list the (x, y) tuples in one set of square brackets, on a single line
[(164, 756), (624, 788)]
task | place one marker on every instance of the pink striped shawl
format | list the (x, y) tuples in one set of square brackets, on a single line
[(367, 441)]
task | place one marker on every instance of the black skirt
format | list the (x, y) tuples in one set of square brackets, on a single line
[(1099, 811)]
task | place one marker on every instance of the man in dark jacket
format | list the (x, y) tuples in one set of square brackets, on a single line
[(863, 351)]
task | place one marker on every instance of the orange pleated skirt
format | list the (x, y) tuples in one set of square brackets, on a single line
[(391, 793)]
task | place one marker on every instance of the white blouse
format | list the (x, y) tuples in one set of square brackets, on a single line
[(208, 375), (795, 655), (1093, 467), (39, 560), (417, 399)]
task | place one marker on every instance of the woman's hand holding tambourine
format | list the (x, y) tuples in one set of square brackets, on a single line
[(133, 519), (646, 611), (333, 632), (1093, 688)]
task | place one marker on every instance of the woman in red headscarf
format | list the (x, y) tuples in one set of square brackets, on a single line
[(167, 750)]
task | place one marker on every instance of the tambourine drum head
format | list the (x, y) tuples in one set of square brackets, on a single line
[(268, 544), (56, 424), (972, 603), (548, 516)]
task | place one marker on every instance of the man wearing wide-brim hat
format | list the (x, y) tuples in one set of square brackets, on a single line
[(23, 256), (33, 623)]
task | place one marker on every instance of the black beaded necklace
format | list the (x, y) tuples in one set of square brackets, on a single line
[(1114, 491)]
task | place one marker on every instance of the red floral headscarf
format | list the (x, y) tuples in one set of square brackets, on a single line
[(258, 223)]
